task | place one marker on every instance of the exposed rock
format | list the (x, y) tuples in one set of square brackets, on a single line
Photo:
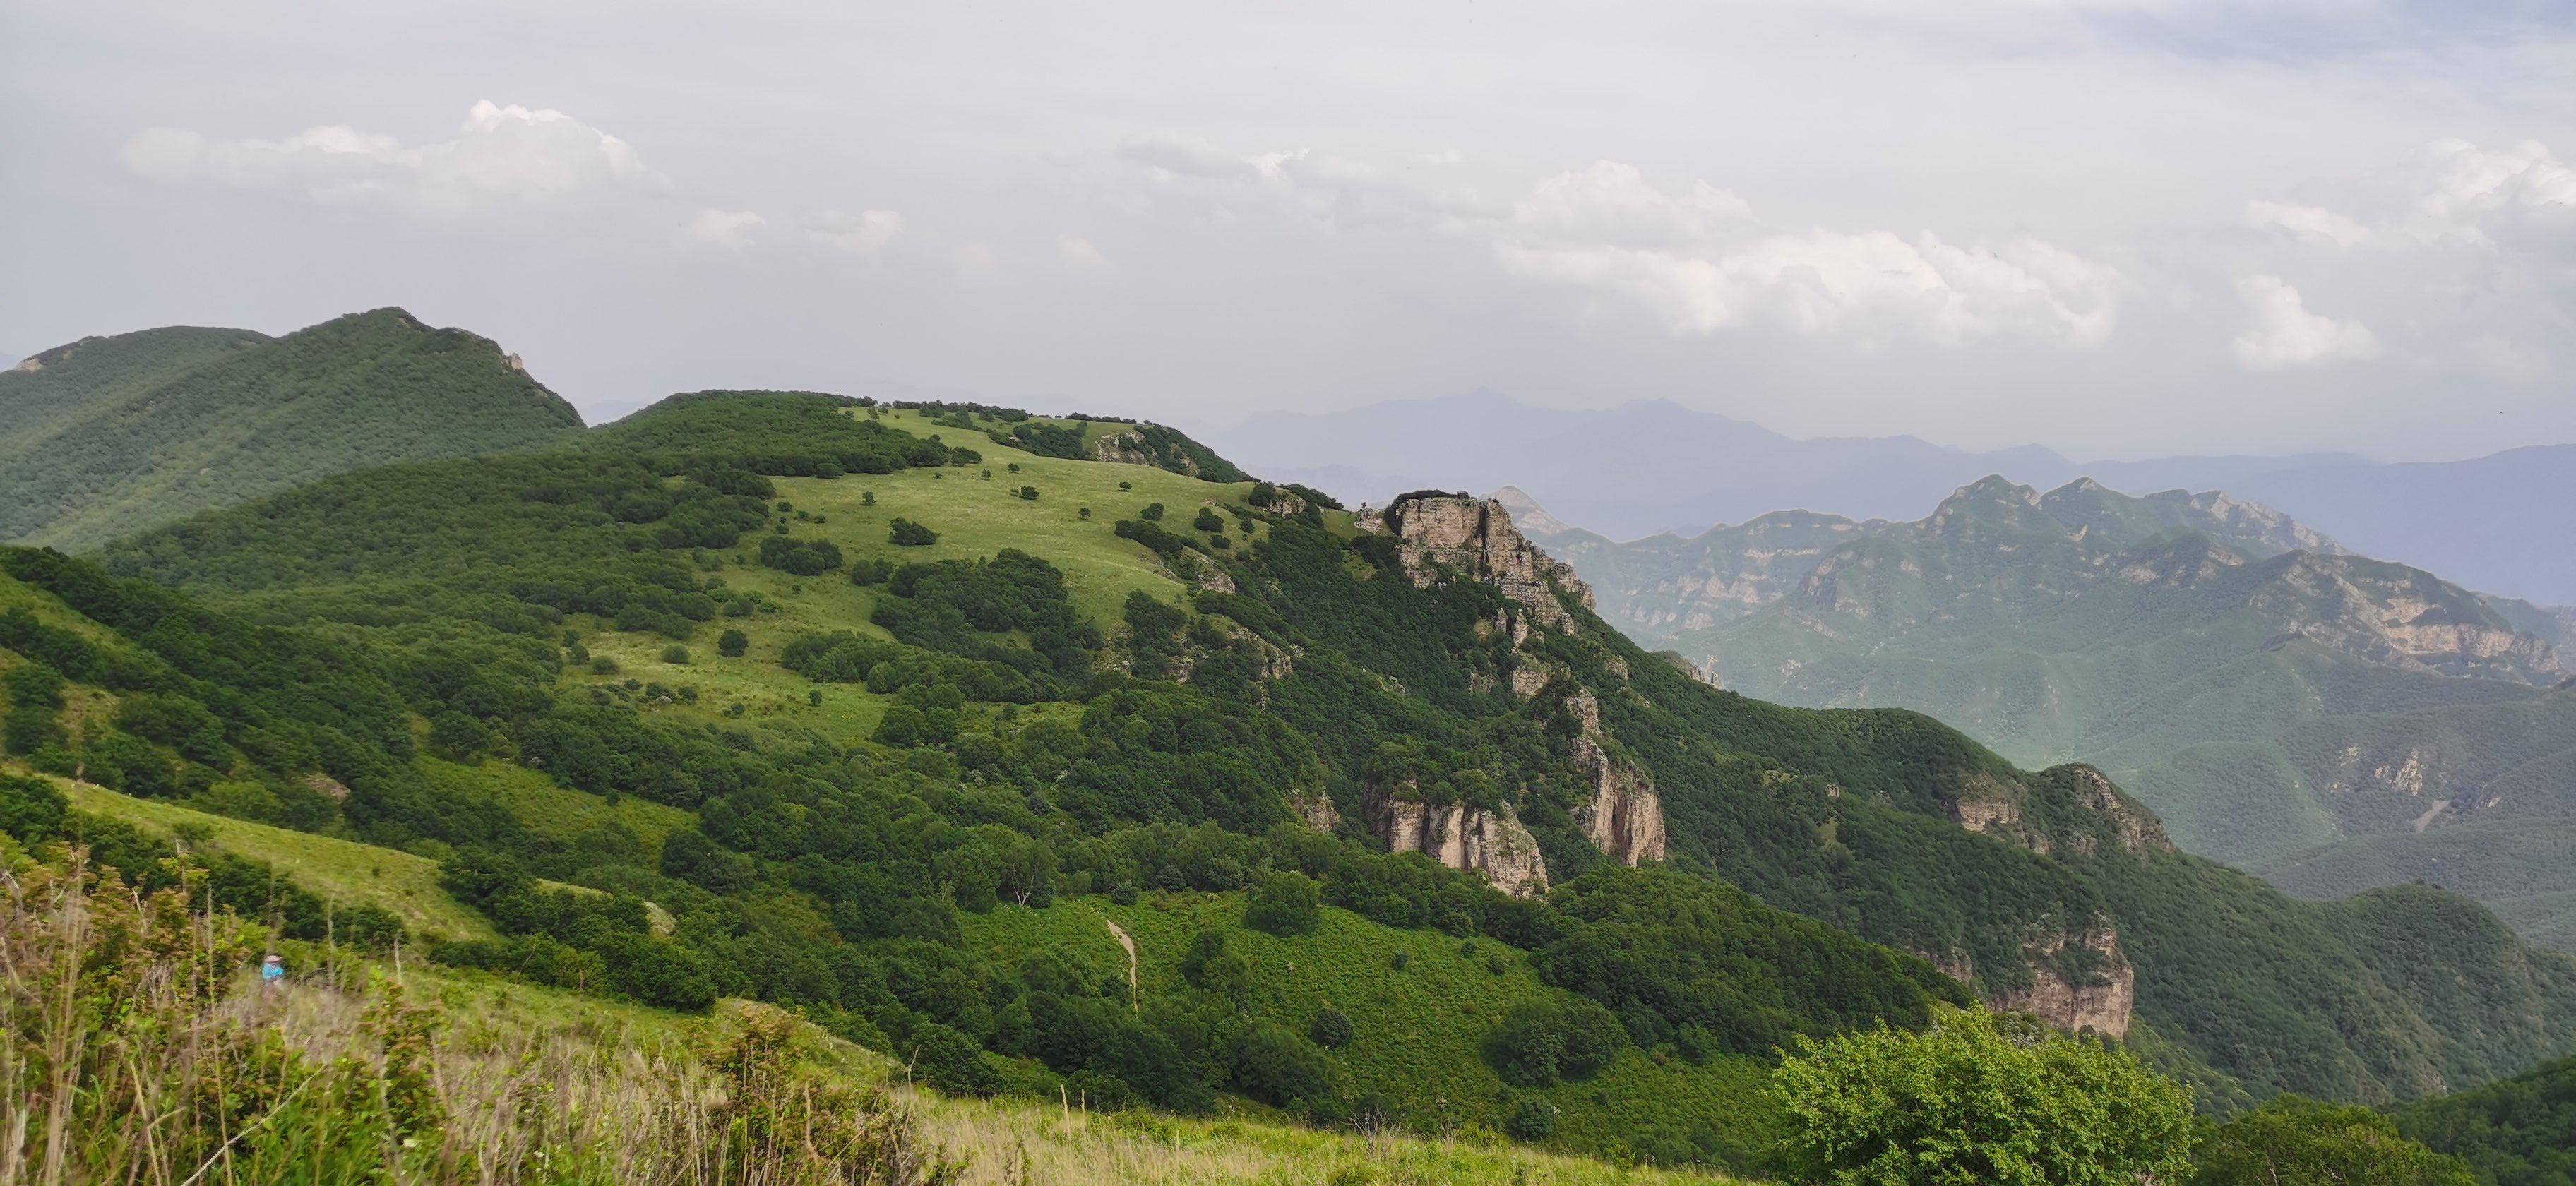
[(1126, 448), (2079, 982), (2136, 829), (1316, 809), (1462, 837), (1625, 817), (514, 362), (29, 363), (328, 786), (2094, 995), (1445, 536)]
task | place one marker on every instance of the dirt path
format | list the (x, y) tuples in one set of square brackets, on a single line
[(1130, 945)]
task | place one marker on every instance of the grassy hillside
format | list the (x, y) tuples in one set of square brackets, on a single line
[(1221, 698), (1420, 1005), (117, 435), (341, 871)]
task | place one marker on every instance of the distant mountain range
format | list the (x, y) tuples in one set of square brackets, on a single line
[(2494, 523), (2285, 704), (108, 436)]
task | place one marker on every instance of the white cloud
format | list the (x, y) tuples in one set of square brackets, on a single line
[(1079, 254), (2308, 222), (2462, 182), (724, 228), (1699, 262), (500, 158), (2281, 332), (864, 233)]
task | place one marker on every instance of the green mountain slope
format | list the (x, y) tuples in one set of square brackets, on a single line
[(1103, 679), (2520, 1132), (2277, 701), (111, 436)]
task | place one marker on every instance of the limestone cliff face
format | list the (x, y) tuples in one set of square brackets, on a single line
[(1461, 837), (2080, 980), (1445, 537), (1624, 817)]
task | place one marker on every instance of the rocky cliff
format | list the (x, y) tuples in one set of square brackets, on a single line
[(1461, 837), (1446, 537), (1450, 538)]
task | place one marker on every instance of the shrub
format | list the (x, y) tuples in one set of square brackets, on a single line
[(1029, 493), (1284, 904), (1534, 1120), (603, 665), (2294, 1141), (1539, 1043), (1331, 1028), (904, 533), (871, 572), (676, 655), (1208, 520), (1977, 1099), (1153, 513), (804, 558), (732, 643), (1279, 1068)]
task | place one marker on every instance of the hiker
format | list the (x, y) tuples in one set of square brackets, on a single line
[(272, 971)]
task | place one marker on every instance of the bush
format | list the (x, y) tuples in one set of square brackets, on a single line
[(1540, 1043), (2294, 1141), (676, 655), (872, 571), (603, 665), (1279, 1068), (1153, 513), (1534, 1120), (1284, 904), (732, 643), (31, 809), (1331, 1029), (804, 558), (1208, 520), (904, 533), (1978, 1099), (1029, 493)]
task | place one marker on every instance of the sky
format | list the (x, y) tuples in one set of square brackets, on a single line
[(2120, 229)]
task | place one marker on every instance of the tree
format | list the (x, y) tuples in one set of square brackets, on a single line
[(732, 643), (904, 533), (2296, 1141), (1284, 904), (1208, 520), (1331, 1028), (1977, 1098), (1153, 512)]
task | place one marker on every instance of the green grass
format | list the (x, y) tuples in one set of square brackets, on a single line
[(1007, 1142), (1420, 1028), (975, 518), (557, 813), (337, 870)]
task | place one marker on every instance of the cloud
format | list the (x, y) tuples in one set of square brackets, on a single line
[(500, 158), (2280, 332), (1700, 262), (1079, 254), (2308, 222), (864, 233), (724, 228), (1180, 158), (2462, 182)]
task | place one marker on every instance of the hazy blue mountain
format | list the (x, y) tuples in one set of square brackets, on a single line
[(2334, 721), (2495, 523)]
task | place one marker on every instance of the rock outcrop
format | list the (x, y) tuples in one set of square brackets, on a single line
[(2080, 981), (1446, 537), (1462, 837)]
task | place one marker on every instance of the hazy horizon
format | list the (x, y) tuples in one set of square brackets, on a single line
[(2115, 228)]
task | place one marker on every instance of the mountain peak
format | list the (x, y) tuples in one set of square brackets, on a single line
[(1527, 514)]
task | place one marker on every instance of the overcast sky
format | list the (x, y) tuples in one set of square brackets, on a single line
[(2118, 229)]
